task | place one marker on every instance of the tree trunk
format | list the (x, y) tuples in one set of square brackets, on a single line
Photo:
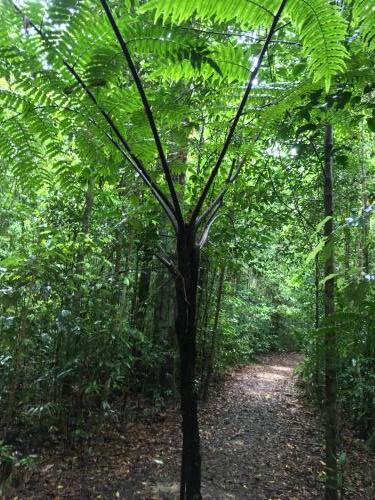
[(138, 317), (318, 352), (186, 282), (331, 488), (135, 286), (346, 251), (163, 325)]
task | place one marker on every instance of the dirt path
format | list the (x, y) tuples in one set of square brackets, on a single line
[(259, 442)]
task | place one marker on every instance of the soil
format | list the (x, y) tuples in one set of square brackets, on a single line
[(260, 441)]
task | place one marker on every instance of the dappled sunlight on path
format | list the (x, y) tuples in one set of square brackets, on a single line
[(269, 438)]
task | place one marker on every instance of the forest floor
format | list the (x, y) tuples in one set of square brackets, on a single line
[(260, 440)]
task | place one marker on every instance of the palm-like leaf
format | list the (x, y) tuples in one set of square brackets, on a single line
[(319, 24), (364, 18)]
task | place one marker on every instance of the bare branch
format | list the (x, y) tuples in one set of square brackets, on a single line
[(238, 115), (204, 238), (147, 108), (167, 263)]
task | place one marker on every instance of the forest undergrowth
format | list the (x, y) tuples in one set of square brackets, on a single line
[(261, 440)]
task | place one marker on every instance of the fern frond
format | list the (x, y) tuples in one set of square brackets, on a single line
[(19, 148), (231, 65), (364, 18), (320, 25), (248, 12), (285, 100), (322, 31)]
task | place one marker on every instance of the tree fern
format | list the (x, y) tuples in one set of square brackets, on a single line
[(162, 41)]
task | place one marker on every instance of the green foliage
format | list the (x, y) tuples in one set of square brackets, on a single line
[(322, 31), (249, 15), (364, 17), (14, 467), (356, 354), (86, 310), (319, 25), (259, 315)]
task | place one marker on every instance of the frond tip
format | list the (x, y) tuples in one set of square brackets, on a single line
[(322, 31), (247, 13), (364, 18)]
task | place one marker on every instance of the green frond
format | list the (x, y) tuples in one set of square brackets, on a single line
[(319, 24), (248, 13), (364, 18), (18, 147), (224, 62), (322, 31), (285, 100)]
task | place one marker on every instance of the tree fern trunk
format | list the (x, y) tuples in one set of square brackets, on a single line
[(186, 295)]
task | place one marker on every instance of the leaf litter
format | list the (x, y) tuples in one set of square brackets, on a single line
[(260, 441)]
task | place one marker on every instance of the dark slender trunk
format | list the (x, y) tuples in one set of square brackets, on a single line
[(346, 251), (116, 262), (135, 287), (163, 325), (143, 278), (331, 489), (186, 298), (71, 343), (318, 364)]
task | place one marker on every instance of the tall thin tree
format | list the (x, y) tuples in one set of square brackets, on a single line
[(186, 271), (191, 232)]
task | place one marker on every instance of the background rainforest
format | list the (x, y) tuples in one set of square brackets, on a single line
[(87, 306)]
